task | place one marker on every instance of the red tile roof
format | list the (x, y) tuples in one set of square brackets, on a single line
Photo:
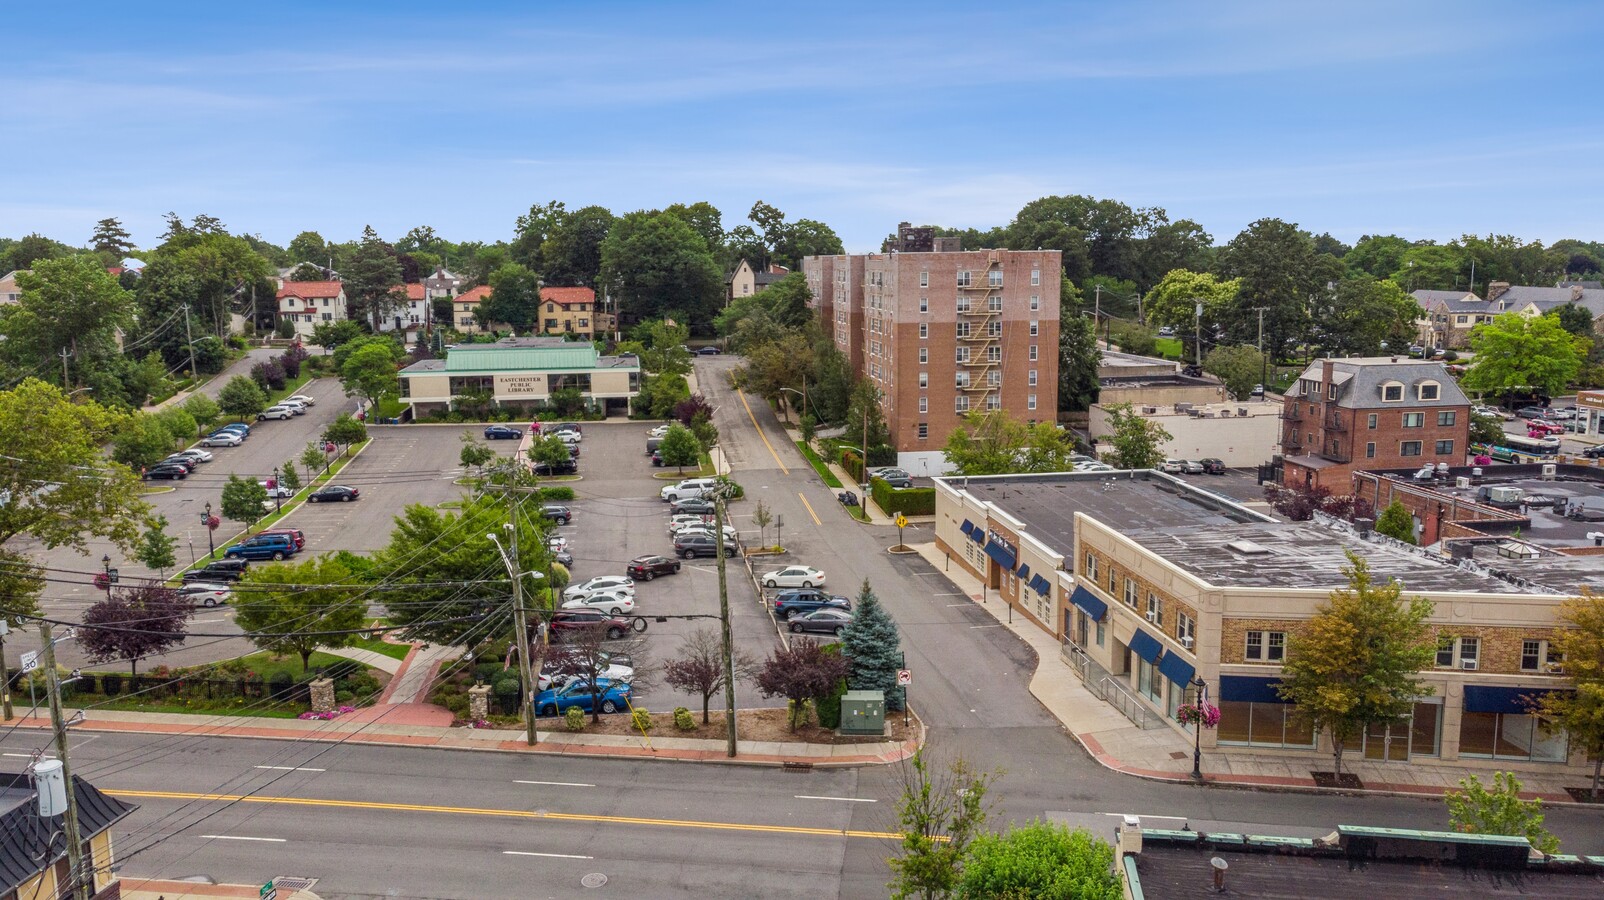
[(473, 296), (305, 289), (567, 295), (414, 291)]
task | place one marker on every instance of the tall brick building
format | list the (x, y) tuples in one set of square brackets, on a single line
[(1371, 413), (943, 331)]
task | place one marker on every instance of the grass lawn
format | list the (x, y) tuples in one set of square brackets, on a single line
[(1170, 348), (818, 465), (267, 665), (394, 651), (218, 708), (390, 408)]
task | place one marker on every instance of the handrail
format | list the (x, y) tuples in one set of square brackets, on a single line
[(1124, 701)]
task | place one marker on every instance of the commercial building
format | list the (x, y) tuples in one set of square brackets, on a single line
[(1238, 434), (521, 372), (1370, 413), (1151, 585), (33, 852), (944, 332)]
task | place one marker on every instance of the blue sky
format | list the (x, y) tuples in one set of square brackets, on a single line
[(1427, 119)]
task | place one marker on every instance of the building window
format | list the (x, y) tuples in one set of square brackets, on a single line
[(1035, 302), (1091, 567), (924, 379), (1032, 378), (1392, 392), (994, 278), (994, 329), (1035, 278), (1185, 629), (1372, 420), (1460, 320), (1429, 390), (994, 304), (993, 402), (963, 279), (924, 427), (1414, 420), (1536, 656), (1266, 646), (1409, 448), (962, 330), (924, 279), (924, 304), (1445, 417), (1511, 736), (924, 404), (1262, 725), (1445, 448), (961, 403), (1033, 353), (1155, 610), (1030, 401), (994, 354), (994, 379), (1147, 681), (1370, 450), (1035, 328), (924, 355), (1458, 653), (1130, 593), (962, 380), (963, 304), (963, 354), (924, 330)]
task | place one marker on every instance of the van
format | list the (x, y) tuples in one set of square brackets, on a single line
[(688, 489)]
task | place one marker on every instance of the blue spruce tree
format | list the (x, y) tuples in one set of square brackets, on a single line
[(874, 648)]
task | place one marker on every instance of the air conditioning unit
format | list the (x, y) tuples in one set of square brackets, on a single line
[(1152, 616), (1462, 482), (1468, 665), (1187, 642), (1548, 471)]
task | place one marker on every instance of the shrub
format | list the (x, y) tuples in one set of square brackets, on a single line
[(344, 698), (507, 693), (1451, 356), (574, 718), (286, 329), (882, 455), (488, 672), (908, 501), (829, 708), (281, 685), (641, 719), (562, 493), (853, 463), (292, 359), (683, 720), (733, 490)]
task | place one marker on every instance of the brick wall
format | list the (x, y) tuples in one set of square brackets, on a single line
[(1171, 606), (1500, 646), (1233, 637)]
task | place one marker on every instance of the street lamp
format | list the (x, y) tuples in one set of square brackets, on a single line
[(105, 565), (278, 502), (206, 522), (1200, 690)]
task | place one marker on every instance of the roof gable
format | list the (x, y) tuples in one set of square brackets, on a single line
[(307, 289), (567, 295)]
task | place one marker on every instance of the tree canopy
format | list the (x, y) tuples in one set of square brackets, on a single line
[(994, 443), (1134, 439), (288, 619), (654, 262), (514, 299), (133, 622), (1514, 353)]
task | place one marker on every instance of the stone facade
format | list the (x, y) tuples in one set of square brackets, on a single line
[(479, 702), (322, 690)]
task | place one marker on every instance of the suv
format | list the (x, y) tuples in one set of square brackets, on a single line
[(691, 546), (218, 570), (166, 470), (562, 515), (274, 412), (263, 546), (571, 621), (648, 567), (564, 468), (688, 489), (294, 533), (895, 477), (1212, 466), (806, 600)]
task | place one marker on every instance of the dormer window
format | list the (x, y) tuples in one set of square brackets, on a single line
[(1392, 392), (1429, 390)]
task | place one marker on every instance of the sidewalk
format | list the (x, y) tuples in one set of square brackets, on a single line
[(1161, 753), (135, 888)]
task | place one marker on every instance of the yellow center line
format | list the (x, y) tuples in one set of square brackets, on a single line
[(810, 508), (512, 814), (742, 395)]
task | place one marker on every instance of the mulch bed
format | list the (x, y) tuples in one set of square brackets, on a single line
[(1346, 780), (1585, 794), (754, 725)]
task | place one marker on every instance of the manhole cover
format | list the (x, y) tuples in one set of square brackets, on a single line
[(593, 880)]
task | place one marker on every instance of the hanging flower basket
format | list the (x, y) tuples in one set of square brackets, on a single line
[(1207, 713)]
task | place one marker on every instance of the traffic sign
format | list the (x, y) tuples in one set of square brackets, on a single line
[(904, 677), (30, 661), (901, 520), (268, 891)]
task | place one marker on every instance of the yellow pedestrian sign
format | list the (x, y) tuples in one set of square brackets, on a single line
[(901, 520)]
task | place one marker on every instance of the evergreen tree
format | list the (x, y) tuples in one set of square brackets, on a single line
[(373, 280), (873, 648), (111, 239), (1396, 522)]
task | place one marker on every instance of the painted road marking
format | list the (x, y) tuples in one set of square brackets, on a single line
[(549, 855), (742, 395), (292, 768), (951, 605), (233, 837), (19, 755), (810, 508), (842, 799), (558, 784), (510, 814), (998, 625)]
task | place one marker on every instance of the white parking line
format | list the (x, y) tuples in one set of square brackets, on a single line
[(548, 855), (557, 784), (998, 625), (292, 768), (231, 837), (842, 799)]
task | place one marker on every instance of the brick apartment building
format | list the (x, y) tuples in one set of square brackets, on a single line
[(942, 331), (1371, 413)]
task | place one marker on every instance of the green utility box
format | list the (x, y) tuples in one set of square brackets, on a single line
[(863, 712)]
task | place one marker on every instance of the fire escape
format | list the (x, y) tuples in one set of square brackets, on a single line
[(980, 334)]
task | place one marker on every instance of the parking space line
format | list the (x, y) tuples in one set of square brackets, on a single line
[(809, 508), (764, 437)]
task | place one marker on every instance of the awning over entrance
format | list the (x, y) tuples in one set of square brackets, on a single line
[(978, 535), (1249, 689), (1176, 669), (1510, 700), (1146, 646), (1084, 599), (1000, 554)]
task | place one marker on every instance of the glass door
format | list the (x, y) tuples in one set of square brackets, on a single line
[(1388, 742)]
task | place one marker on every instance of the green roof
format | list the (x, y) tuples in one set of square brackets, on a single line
[(489, 358)]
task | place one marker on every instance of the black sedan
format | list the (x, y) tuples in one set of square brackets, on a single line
[(166, 470), (646, 568), (693, 505), (1593, 452), (334, 493), (1212, 466), (498, 432), (822, 621), (708, 351)]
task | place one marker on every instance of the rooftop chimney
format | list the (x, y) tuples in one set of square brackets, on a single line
[(1496, 289)]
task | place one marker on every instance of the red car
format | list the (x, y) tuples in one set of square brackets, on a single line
[(1537, 428), (646, 568), (568, 622), (294, 533)]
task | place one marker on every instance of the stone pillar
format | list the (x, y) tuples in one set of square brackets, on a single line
[(479, 702), (322, 694)]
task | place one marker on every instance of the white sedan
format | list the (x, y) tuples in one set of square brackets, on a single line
[(279, 491), (555, 676), (703, 528), (685, 520), (659, 431), (600, 583), (794, 576), (614, 602), (302, 398), (222, 439), (197, 454), (205, 593)]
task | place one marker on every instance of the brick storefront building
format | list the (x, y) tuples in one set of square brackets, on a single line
[(1370, 413)]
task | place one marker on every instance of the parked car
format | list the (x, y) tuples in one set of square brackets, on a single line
[(1173, 466), (166, 472), (222, 439), (709, 351), (1539, 428), (1258, 391), (687, 489), (564, 557), (566, 622), (295, 534), (599, 583), (648, 567), (1594, 452), (240, 427), (806, 600), (1093, 466), (571, 467), (794, 576), (1166, 331), (218, 571), (274, 412), (614, 697), (334, 493), (1191, 467), (277, 490), (821, 621), (568, 436), (658, 431), (614, 602), (568, 426), (205, 593), (295, 407), (894, 477), (1532, 412), (1563, 413), (1212, 466), (562, 515), (675, 523), (302, 398), (690, 546), (197, 454), (176, 460), (707, 530), (556, 674), (556, 542), (693, 505), (657, 458), (502, 432), (269, 546)]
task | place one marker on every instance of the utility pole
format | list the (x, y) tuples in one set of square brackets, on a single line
[(724, 624), (1264, 362), (5, 673), (66, 380), (75, 862), (189, 337), (521, 623), (1198, 336)]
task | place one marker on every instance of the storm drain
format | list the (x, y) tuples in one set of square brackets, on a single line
[(593, 880), (291, 883)]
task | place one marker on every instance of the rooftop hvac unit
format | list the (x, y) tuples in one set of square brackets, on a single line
[(1549, 469), (1462, 482), (1504, 494)]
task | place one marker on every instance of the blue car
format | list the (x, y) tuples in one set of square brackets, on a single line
[(263, 546), (614, 697), (499, 432)]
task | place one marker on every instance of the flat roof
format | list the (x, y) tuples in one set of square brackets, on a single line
[(1117, 358)]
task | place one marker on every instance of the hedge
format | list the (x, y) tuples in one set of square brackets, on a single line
[(908, 501), (550, 494), (853, 463)]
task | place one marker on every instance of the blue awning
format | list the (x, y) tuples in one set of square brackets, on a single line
[(1146, 646), (967, 527), (1024, 571), (1176, 669), (1249, 689), (1084, 599), (1510, 700), (1000, 553), (978, 535), (1040, 585)]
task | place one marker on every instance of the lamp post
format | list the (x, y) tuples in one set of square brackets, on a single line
[(206, 521), (278, 502), (1200, 692), (105, 566)]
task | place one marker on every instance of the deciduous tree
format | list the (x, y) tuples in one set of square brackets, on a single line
[(679, 447), (1578, 647), (1473, 809), (514, 300), (475, 454), (1135, 439), (571, 253), (134, 622), (940, 814), (370, 373), (1396, 522), (699, 668), (292, 607), (345, 432), (992, 443), (1078, 359), (1238, 366), (801, 673), (241, 398), (141, 442), (1515, 354), (1044, 860), (549, 450), (155, 548), (655, 262), (244, 500), (203, 409)]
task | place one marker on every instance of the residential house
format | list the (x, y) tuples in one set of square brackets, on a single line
[(462, 307), (569, 310), (744, 281), (306, 304), (9, 292), (442, 283), (1448, 316), (412, 315), (33, 849)]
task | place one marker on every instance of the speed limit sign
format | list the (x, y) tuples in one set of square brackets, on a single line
[(904, 678)]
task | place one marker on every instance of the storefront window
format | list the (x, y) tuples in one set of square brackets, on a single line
[(1148, 682), (1262, 725), (1509, 736)]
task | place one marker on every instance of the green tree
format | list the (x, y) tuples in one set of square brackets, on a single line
[(69, 304), (549, 450), (309, 246), (330, 335), (531, 231), (1362, 313), (1043, 860), (178, 423), (1173, 302), (370, 373), (1578, 321), (652, 263), (1485, 429), (155, 548), (1136, 440), (345, 432), (1078, 360), (373, 281), (475, 454), (774, 369), (679, 448), (244, 500), (1396, 522), (241, 398), (1428, 266), (203, 409), (1133, 338), (1473, 809), (112, 241), (58, 442), (27, 252), (293, 607), (1377, 255), (1515, 354), (873, 649), (940, 814), (571, 253), (313, 459), (388, 344), (993, 443), (864, 421), (1281, 272), (1238, 366), (142, 442), (289, 478), (1356, 662), (1578, 646), (216, 275), (514, 300)]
